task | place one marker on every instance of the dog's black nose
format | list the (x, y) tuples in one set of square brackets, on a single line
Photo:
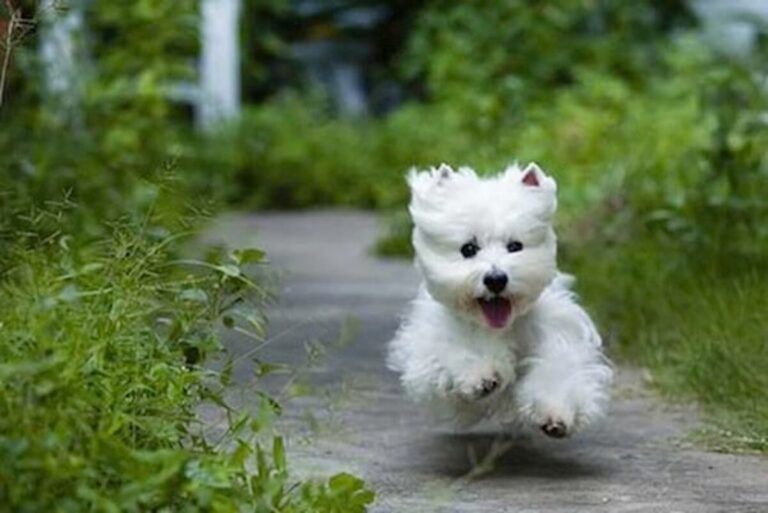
[(495, 281)]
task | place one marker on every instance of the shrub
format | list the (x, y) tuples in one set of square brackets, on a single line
[(106, 336), (487, 62), (118, 126), (675, 257), (103, 350), (292, 154)]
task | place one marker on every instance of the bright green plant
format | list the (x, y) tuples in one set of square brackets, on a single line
[(103, 346)]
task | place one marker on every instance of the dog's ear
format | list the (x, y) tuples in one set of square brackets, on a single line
[(534, 177), (531, 175), (422, 183), (540, 188), (432, 192), (444, 172)]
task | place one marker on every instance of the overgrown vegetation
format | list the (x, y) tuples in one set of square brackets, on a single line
[(108, 334), (104, 346)]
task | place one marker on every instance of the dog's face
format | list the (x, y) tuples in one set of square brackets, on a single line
[(485, 246)]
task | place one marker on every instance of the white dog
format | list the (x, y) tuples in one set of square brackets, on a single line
[(495, 331)]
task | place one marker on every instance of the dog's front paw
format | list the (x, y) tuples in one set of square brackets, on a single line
[(560, 409), (479, 385), (554, 420)]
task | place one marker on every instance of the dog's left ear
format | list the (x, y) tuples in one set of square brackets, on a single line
[(532, 174), (541, 186)]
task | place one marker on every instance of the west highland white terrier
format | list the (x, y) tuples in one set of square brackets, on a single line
[(495, 331)]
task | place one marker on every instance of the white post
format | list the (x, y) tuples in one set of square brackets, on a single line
[(60, 51), (732, 26), (219, 63)]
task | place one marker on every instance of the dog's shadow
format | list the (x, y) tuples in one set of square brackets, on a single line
[(480, 455)]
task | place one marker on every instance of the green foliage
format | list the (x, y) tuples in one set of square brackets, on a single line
[(107, 337), (396, 241), (118, 125), (675, 257), (490, 60), (291, 154), (697, 324), (103, 344), (144, 50), (266, 49)]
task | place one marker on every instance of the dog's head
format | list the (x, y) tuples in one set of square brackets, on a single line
[(485, 246)]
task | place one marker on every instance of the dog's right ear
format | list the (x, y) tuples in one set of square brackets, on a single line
[(422, 183)]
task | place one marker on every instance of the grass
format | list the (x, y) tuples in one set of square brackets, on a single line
[(700, 328)]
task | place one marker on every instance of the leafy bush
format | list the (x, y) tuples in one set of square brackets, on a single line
[(106, 336), (103, 350), (485, 63), (675, 258), (118, 125), (291, 153)]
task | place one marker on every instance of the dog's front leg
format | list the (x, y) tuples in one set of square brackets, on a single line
[(480, 377), (436, 370), (565, 377)]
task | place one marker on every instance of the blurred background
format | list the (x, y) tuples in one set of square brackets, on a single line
[(651, 114)]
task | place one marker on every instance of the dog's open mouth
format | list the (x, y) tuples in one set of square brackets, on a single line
[(496, 311)]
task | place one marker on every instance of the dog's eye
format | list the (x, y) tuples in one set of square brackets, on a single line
[(515, 246), (469, 249)]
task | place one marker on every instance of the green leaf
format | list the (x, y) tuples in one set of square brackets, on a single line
[(263, 369), (247, 256), (225, 377), (195, 295), (91, 267), (345, 482), (278, 453), (240, 454), (229, 270)]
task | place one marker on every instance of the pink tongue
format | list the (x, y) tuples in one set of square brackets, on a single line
[(496, 311)]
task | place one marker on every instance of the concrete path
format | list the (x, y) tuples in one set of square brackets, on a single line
[(357, 420)]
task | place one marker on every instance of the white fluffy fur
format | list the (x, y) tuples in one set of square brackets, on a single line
[(547, 358)]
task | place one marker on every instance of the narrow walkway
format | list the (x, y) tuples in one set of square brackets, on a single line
[(358, 421)]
